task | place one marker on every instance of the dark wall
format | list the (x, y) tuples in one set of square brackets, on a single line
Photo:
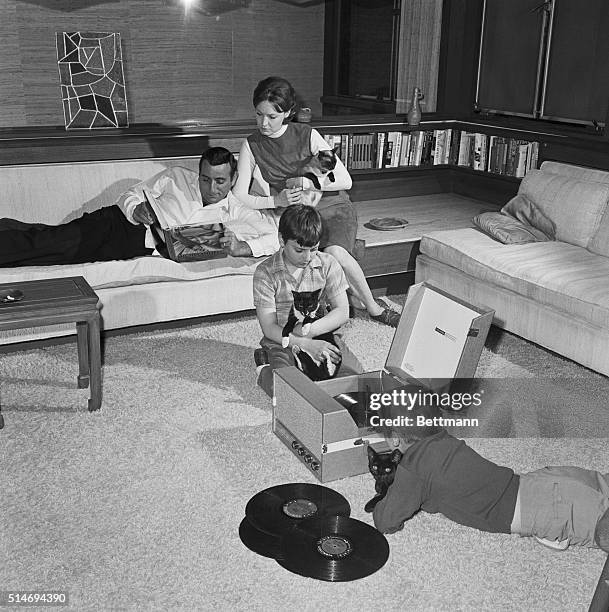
[(177, 66), (461, 23)]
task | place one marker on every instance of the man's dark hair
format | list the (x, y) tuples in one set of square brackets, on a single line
[(301, 223), (217, 156), (277, 91)]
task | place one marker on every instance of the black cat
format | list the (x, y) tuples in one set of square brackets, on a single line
[(306, 309), (382, 466)]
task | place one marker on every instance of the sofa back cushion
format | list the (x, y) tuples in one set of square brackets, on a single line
[(57, 193), (579, 172), (575, 205)]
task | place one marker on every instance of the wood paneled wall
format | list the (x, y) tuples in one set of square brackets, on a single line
[(177, 66)]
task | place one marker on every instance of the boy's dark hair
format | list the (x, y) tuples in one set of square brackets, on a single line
[(217, 156), (277, 91), (301, 223)]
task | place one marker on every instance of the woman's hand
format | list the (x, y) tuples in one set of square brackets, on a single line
[(287, 197)]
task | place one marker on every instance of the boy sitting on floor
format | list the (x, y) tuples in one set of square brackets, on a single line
[(299, 266)]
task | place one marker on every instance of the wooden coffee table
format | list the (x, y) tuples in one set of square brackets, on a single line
[(61, 300)]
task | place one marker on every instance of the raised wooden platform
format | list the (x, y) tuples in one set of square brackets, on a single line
[(395, 252)]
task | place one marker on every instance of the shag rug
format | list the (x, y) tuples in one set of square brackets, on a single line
[(137, 506)]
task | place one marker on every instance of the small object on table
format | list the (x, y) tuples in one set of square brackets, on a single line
[(387, 224), (10, 295)]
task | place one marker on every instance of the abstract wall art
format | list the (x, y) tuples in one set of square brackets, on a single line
[(92, 80)]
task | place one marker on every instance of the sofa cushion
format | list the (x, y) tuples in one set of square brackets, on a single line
[(560, 275), (599, 243), (581, 173), (575, 206), (137, 271), (525, 211), (506, 229), (519, 222)]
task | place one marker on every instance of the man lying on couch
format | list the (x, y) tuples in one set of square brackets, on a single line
[(122, 231)]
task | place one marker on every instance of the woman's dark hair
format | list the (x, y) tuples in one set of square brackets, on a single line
[(218, 156), (277, 91), (301, 223)]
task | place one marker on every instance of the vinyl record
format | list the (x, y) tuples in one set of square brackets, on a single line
[(259, 542), (277, 509), (333, 548)]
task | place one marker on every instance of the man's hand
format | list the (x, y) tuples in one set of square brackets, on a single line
[(234, 247), (141, 214)]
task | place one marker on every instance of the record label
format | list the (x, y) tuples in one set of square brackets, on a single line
[(299, 508), (334, 547)]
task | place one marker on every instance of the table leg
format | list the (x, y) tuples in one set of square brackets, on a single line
[(95, 363), (82, 332)]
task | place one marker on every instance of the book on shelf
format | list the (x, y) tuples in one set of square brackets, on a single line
[(396, 139), (405, 150), (380, 148)]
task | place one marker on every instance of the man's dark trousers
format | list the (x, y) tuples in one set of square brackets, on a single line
[(103, 235)]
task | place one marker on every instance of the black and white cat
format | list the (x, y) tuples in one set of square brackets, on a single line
[(313, 168), (382, 466), (306, 309)]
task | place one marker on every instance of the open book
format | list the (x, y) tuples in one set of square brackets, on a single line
[(190, 242)]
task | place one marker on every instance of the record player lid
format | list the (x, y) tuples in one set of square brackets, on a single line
[(432, 337)]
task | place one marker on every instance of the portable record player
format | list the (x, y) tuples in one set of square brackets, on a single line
[(438, 342)]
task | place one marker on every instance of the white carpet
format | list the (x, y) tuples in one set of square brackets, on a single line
[(138, 506)]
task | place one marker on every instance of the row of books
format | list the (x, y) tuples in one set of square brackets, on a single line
[(497, 154)]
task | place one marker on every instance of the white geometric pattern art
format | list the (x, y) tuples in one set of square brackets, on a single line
[(92, 80)]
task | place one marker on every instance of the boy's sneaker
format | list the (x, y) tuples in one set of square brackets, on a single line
[(554, 544), (261, 357), (387, 317)]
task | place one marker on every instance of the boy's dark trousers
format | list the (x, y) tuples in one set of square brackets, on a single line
[(103, 235)]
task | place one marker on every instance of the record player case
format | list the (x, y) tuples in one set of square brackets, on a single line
[(439, 339)]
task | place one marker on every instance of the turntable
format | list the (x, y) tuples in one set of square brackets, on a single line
[(438, 343)]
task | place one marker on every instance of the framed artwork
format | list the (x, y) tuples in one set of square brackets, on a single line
[(92, 80)]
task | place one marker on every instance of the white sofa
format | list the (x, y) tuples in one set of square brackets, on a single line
[(553, 293), (133, 292)]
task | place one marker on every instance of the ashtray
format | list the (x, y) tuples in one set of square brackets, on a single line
[(10, 295), (386, 224)]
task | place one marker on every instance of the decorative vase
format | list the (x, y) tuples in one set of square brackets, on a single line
[(414, 113)]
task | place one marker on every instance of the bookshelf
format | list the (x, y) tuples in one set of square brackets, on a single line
[(425, 146)]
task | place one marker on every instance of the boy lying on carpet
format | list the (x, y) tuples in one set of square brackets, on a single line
[(559, 506), (299, 269)]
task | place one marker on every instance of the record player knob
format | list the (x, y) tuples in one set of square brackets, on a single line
[(301, 451), (308, 458), (314, 465)]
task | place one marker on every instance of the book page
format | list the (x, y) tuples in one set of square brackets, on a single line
[(205, 216)]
